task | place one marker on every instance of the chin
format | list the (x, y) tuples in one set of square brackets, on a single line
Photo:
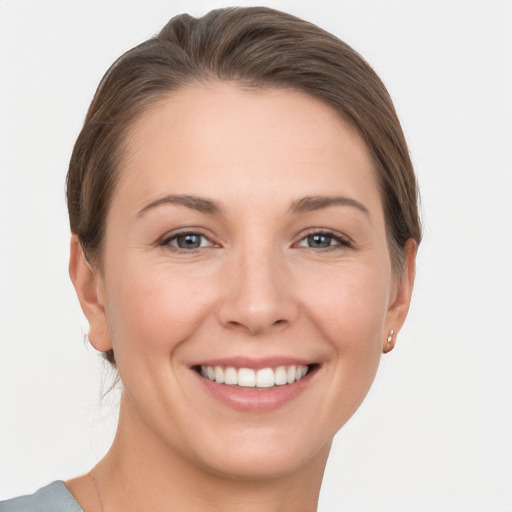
[(262, 455), (259, 466)]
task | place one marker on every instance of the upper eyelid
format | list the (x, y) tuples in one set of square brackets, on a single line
[(167, 238), (308, 232), (324, 231), (185, 231)]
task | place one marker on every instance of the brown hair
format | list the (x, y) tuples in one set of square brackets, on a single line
[(255, 47)]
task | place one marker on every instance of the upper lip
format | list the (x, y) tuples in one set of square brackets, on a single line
[(254, 363)]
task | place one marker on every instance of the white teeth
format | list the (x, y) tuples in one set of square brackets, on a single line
[(219, 375), (249, 378), (265, 378), (280, 377), (291, 374), (246, 377), (230, 376)]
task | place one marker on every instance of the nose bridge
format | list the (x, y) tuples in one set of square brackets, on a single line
[(259, 290)]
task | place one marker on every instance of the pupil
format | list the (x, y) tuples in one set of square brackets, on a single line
[(319, 241), (189, 241)]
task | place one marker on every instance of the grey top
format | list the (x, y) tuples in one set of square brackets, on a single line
[(52, 498)]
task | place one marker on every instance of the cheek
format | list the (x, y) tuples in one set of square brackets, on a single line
[(350, 315), (351, 306), (154, 309)]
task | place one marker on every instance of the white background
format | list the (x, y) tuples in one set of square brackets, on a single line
[(435, 433)]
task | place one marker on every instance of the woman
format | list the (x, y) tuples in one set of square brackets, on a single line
[(245, 225)]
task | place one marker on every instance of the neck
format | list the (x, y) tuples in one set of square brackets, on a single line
[(139, 473)]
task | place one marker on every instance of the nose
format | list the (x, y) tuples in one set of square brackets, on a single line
[(258, 293)]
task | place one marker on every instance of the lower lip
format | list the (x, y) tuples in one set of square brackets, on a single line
[(252, 400)]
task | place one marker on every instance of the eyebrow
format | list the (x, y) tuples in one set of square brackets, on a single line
[(193, 202), (303, 205), (312, 203)]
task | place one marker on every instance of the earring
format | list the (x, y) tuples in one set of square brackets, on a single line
[(390, 337)]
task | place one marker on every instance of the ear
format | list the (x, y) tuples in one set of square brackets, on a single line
[(90, 289), (401, 297)]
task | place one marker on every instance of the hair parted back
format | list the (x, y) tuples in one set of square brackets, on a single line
[(255, 47)]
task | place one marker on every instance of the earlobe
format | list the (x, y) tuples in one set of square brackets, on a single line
[(89, 288), (401, 299)]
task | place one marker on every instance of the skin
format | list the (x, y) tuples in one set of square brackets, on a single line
[(256, 287)]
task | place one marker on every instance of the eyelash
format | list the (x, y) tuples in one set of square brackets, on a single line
[(341, 242), (167, 241)]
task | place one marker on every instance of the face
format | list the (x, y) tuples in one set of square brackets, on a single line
[(246, 284)]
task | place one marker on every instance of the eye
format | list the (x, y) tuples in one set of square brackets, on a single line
[(187, 241), (323, 240)]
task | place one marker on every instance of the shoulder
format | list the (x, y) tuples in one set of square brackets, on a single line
[(52, 498)]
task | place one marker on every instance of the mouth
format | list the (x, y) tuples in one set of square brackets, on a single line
[(256, 385), (251, 379)]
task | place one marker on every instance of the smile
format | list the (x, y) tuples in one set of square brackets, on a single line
[(256, 385), (263, 378)]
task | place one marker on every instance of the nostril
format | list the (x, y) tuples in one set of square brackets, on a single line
[(255, 313)]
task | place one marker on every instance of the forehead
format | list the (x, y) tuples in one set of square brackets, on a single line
[(221, 139)]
